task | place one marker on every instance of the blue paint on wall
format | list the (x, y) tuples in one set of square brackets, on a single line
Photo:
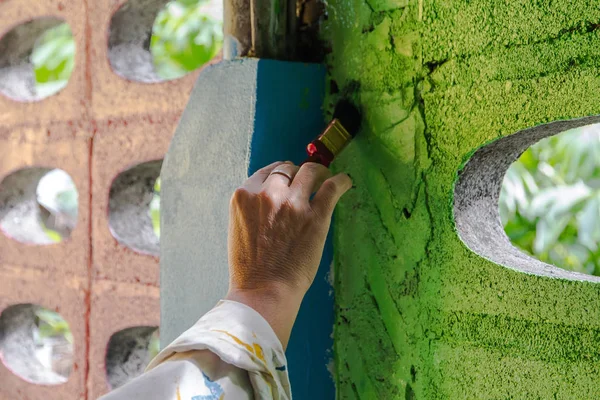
[(288, 116)]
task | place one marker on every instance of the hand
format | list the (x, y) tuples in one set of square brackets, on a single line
[(276, 237)]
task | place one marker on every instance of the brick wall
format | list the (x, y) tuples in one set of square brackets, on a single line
[(97, 127)]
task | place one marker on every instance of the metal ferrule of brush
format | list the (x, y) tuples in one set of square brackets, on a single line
[(335, 137)]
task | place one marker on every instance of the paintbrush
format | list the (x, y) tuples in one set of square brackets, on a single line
[(340, 131)]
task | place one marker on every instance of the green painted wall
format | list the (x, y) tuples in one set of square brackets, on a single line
[(418, 314)]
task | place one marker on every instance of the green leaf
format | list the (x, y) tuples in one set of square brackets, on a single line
[(46, 331), (48, 316), (52, 235), (51, 324), (183, 39), (154, 213), (53, 59), (547, 232), (554, 202), (588, 223)]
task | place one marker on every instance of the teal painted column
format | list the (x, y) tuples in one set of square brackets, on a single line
[(242, 115)]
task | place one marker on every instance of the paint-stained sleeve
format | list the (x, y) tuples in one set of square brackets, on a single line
[(231, 352)]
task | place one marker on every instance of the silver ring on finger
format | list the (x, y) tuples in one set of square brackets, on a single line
[(287, 170), (283, 173)]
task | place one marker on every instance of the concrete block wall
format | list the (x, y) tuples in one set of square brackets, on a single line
[(65, 293), (432, 300), (96, 128)]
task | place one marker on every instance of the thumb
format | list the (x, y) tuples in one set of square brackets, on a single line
[(329, 194)]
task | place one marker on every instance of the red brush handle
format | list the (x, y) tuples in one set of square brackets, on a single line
[(319, 153)]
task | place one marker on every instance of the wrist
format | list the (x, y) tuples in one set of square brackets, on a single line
[(278, 304)]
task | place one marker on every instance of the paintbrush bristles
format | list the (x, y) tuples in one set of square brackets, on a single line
[(349, 116)]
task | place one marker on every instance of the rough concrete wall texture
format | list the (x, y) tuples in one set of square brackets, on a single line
[(421, 314), (98, 127)]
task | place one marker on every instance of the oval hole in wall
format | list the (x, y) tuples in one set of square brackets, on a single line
[(550, 200), (477, 192), (129, 352), (38, 205), (130, 214), (36, 344), (155, 40), (36, 59)]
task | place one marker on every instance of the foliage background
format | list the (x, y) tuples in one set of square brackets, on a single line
[(184, 37), (550, 200)]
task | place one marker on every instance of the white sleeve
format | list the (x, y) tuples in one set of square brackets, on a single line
[(231, 353)]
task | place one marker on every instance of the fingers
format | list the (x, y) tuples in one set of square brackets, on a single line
[(308, 179), (330, 192), (281, 176), (303, 182), (255, 182)]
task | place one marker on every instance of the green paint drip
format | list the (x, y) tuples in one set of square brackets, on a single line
[(418, 314)]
